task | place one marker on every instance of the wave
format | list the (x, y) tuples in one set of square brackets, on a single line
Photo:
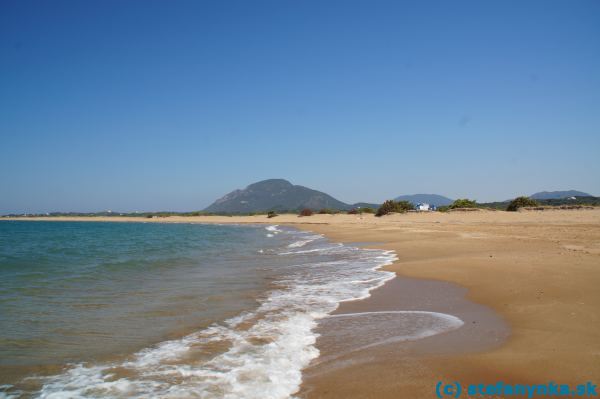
[(306, 240)]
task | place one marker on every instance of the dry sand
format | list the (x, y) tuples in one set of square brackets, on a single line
[(539, 271)]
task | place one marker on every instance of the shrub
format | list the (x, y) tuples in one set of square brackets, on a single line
[(443, 208), (390, 206), (520, 202), (367, 210), (271, 214), (306, 212), (463, 203), (404, 206), (385, 208), (354, 211)]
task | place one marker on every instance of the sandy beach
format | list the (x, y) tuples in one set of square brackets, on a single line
[(525, 284)]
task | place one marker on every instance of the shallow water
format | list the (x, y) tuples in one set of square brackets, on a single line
[(174, 311)]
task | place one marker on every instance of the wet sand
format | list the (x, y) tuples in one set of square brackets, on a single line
[(537, 272), (342, 366)]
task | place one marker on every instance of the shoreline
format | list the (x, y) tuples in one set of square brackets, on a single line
[(537, 270)]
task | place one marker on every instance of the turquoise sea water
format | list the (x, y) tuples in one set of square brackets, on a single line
[(142, 310), (77, 291)]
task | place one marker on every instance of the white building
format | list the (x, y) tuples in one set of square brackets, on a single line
[(423, 207)]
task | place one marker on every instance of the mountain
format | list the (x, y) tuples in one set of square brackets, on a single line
[(559, 194), (431, 199), (276, 195)]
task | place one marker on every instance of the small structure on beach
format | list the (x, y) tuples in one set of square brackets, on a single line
[(423, 207)]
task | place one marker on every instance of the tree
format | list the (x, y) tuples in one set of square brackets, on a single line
[(463, 203), (520, 202), (390, 206)]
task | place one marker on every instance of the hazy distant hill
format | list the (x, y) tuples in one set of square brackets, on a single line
[(431, 199), (274, 194), (559, 194)]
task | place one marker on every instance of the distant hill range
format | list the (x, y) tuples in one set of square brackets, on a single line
[(553, 198), (274, 195), (544, 195), (281, 195), (431, 199)]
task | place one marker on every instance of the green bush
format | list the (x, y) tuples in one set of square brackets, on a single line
[(463, 203), (404, 206), (390, 206), (271, 214), (367, 210), (520, 202), (354, 211)]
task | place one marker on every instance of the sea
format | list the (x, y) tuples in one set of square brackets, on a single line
[(161, 310)]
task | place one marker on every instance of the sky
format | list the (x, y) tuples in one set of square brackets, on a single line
[(168, 105)]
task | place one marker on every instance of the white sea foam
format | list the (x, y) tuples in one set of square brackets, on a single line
[(274, 229), (330, 249), (6, 395), (305, 240), (264, 351)]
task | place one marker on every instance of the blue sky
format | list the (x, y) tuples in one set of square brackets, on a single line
[(156, 105)]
